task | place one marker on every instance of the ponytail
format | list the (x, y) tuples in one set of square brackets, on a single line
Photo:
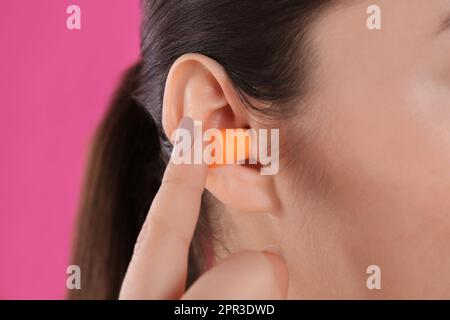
[(123, 175)]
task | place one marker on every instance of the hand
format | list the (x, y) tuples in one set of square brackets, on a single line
[(158, 267)]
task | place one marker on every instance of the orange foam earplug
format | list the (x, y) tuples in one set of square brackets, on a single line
[(236, 142)]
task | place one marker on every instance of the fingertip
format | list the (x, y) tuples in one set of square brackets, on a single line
[(183, 164), (280, 270)]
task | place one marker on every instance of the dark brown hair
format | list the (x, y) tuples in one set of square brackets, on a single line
[(262, 44)]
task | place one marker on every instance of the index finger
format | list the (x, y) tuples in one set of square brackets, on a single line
[(158, 268)]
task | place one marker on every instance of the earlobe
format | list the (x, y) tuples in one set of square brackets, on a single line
[(243, 189), (200, 88)]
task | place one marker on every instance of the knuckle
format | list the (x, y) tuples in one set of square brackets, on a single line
[(167, 231)]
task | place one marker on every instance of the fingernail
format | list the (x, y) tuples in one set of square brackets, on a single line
[(185, 127), (276, 258)]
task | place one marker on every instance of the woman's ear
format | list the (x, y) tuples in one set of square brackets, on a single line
[(200, 88)]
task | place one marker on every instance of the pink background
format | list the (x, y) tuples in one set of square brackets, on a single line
[(55, 84)]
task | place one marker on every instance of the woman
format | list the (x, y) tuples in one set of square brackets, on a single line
[(364, 119)]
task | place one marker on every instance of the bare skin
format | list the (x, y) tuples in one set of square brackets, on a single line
[(165, 239), (378, 120)]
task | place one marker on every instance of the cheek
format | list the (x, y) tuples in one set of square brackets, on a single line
[(386, 158), (384, 142), (385, 131), (392, 145)]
